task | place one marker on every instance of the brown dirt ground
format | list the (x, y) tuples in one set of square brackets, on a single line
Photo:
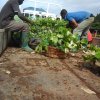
[(25, 76)]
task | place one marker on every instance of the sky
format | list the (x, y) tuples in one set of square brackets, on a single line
[(55, 6)]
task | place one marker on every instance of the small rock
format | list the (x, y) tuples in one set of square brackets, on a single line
[(8, 72)]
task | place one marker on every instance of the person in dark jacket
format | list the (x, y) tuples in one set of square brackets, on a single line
[(9, 10), (79, 21)]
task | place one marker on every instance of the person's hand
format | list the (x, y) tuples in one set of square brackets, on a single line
[(73, 24), (31, 22)]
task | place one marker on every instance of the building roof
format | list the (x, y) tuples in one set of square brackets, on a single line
[(36, 9)]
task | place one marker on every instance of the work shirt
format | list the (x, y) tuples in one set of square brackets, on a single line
[(8, 12), (77, 16)]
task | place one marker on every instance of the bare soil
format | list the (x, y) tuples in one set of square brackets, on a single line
[(26, 76)]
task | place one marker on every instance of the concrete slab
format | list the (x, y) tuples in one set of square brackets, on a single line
[(1, 40)]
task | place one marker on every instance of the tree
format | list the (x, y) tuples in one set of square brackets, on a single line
[(96, 23)]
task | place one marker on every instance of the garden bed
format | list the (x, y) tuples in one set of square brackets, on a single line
[(55, 53), (96, 41), (26, 76)]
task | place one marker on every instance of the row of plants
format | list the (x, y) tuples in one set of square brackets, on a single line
[(92, 54), (54, 33)]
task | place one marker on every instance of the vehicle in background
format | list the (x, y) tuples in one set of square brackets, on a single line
[(33, 13)]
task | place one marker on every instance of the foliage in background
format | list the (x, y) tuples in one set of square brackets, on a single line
[(96, 23), (97, 18)]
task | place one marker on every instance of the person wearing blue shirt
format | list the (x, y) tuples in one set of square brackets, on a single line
[(79, 21)]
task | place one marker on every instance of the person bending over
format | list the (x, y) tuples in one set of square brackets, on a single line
[(79, 21)]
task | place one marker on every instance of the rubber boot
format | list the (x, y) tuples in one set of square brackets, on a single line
[(25, 45)]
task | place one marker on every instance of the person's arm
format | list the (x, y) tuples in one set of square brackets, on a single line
[(22, 17), (74, 24)]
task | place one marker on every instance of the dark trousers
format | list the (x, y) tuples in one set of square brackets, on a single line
[(17, 26)]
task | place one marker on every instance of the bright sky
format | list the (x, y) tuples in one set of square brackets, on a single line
[(70, 5)]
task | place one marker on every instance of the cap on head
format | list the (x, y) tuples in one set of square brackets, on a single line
[(20, 2), (63, 13)]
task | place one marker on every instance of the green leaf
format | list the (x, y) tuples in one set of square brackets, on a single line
[(60, 36), (97, 55), (84, 41)]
